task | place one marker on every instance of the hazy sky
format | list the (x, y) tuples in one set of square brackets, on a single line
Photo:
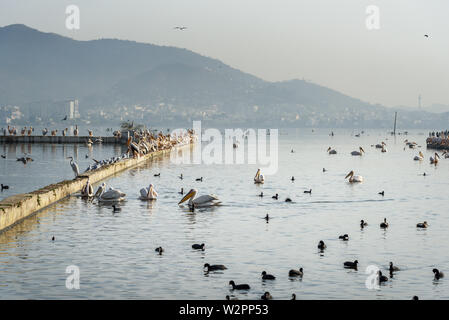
[(324, 41)]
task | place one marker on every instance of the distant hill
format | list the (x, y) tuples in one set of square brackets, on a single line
[(137, 80)]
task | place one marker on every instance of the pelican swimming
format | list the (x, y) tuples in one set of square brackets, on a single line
[(381, 145), (75, 167), (87, 191), (434, 160), (202, 201), (259, 178), (353, 178), (419, 157), (110, 195), (358, 153), (331, 151), (148, 193)]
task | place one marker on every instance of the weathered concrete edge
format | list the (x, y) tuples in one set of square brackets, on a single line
[(60, 139), (18, 207)]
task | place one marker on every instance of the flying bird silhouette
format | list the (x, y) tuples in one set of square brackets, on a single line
[(180, 28)]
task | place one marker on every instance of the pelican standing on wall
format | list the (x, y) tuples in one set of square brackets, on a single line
[(88, 190)]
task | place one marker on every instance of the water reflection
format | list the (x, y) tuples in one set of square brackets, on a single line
[(115, 251)]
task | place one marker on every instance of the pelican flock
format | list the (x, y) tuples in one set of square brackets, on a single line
[(145, 141)]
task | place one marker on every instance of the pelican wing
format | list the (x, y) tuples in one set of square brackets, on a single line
[(144, 192), (112, 194), (99, 191), (207, 199)]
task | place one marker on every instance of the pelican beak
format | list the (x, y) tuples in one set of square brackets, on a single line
[(349, 174), (328, 149), (186, 197), (361, 149)]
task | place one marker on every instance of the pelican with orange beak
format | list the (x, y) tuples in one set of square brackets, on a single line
[(419, 157), (208, 200), (434, 160), (358, 153), (259, 178), (353, 178)]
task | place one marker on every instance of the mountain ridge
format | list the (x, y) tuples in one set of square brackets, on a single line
[(41, 70)]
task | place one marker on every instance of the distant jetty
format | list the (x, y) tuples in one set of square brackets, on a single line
[(18, 207), (62, 139)]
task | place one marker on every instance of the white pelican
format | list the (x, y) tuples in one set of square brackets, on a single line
[(259, 178), (148, 193), (202, 201), (358, 153), (380, 145), (87, 191), (419, 157), (331, 151), (75, 167), (353, 178), (110, 195), (434, 160)]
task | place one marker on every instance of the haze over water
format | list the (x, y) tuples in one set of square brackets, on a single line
[(115, 251)]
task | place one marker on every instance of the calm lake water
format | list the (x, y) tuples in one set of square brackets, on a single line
[(115, 251)]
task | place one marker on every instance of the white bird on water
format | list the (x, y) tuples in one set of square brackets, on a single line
[(202, 201), (353, 178), (148, 193), (75, 167), (111, 195), (419, 157), (434, 160), (88, 190), (259, 178)]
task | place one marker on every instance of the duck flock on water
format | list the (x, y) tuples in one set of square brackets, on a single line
[(149, 193)]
